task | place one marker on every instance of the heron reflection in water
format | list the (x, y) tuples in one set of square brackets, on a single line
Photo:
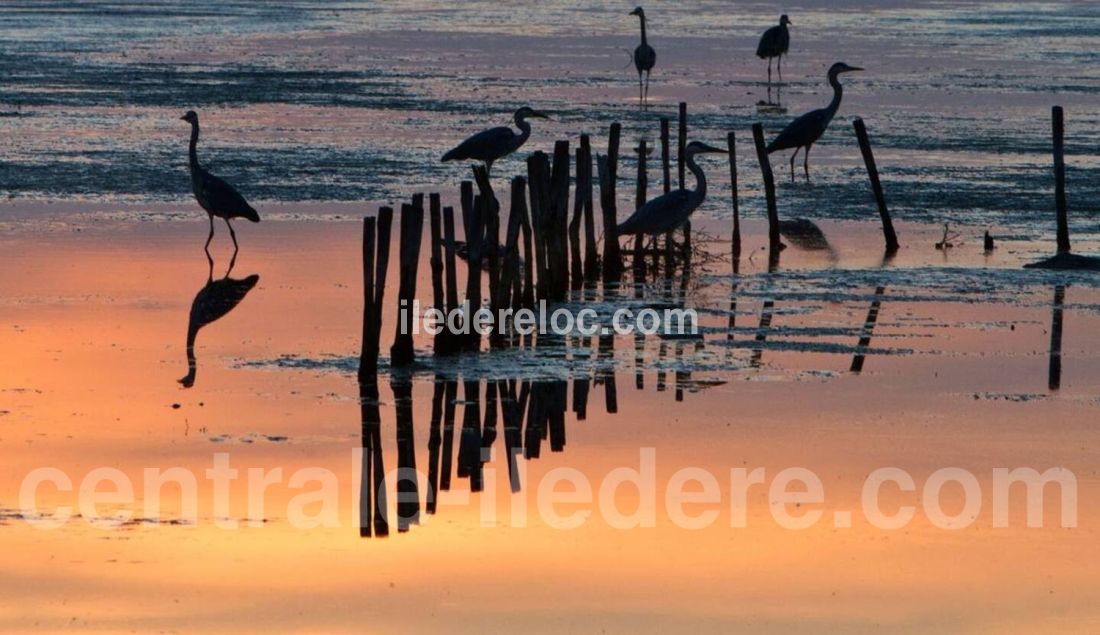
[(214, 300)]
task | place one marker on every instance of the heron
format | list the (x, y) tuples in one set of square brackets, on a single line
[(807, 129), (495, 143), (644, 59), (774, 43), (213, 301), (214, 195), (669, 211)]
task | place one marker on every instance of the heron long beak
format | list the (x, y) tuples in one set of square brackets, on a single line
[(540, 115), (853, 68), (183, 118), (707, 148)]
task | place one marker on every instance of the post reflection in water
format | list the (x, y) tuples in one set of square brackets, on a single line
[(213, 301), (1054, 375), (531, 411)]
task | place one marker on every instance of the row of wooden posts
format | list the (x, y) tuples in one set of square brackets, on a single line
[(556, 260), (558, 257)]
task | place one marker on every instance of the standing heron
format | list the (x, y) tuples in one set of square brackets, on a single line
[(807, 129), (495, 143), (774, 43), (668, 211), (215, 196), (645, 58)]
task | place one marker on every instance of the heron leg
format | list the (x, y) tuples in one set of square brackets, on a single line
[(233, 235), (489, 167), (646, 87), (779, 67), (806, 161), (209, 238), (769, 78), (641, 97), (792, 162)]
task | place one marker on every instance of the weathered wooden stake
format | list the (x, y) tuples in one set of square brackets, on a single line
[(436, 253), (556, 239), (412, 229), (509, 273), (537, 166), (639, 200), (872, 172), (666, 183), (368, 355), (609, 174), (576, 265), (731, 147), (681, 159), (774, 244), (474, 245), (584, 182), (1058, 125)]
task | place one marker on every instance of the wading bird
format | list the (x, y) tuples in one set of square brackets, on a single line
[(774, 43), (644, 59), (669, 211), (215, 196), (495, 143), (807, 129)]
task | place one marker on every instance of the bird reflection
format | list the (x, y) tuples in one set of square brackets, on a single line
[(215, 299)]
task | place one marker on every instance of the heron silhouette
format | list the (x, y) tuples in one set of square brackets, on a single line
[(213, 301), (669, 211), (645, 58), (804, 131), (775, 42), (495, 143), (214, 195)]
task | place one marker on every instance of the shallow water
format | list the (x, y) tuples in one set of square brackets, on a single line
[(322, 112), (356, 101)]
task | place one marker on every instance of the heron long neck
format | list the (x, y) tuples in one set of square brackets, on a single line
[(838, 93), (193, 155), (642, 19), (700, 192), (524, 129)]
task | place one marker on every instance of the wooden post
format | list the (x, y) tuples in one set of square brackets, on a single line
[(536, 167), (466, 202), (412, 228), (681, 145), (490, 222), (473, 273), (1058, 124), (731, 147), (557, 250), (527, 297), (451, 270), (510, 270), (666, 181), (436, 252), (681, 159), (609, 172), (880, 198), (368, 355), (774, 244), (639, 200), (576, 266), (584, 182)]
